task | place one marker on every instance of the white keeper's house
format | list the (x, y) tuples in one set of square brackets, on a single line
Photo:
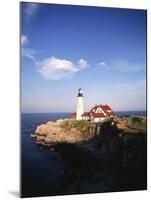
[(97, 114)]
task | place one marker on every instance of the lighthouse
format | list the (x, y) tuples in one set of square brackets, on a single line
[(80, 107)]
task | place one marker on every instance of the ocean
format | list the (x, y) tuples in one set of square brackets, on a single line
[(43, 169)]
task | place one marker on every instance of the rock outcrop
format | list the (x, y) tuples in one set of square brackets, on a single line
[(61, 131), (110, 161), (72, 131), (113, 160)]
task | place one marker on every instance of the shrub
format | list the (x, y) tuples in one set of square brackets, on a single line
[(126, 116), (65, 124), (80, 125), (136, 121)]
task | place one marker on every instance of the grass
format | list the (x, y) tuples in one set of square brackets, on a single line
[(80, 125), (136, 122), (76, 124)]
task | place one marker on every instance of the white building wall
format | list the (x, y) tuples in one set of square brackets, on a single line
[(96, 119), (80, 108), (99, 119), (99, 110)]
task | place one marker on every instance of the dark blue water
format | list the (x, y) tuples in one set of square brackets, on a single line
[(134, 113), (42, 169)]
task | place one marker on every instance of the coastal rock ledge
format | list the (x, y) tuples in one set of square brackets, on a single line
[(61, 131)]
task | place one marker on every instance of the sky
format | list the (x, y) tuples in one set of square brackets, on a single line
[(63, 48)]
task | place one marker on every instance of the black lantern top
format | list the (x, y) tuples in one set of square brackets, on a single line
[(80, 92)]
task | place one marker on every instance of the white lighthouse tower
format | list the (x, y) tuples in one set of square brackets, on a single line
[(80, 107)]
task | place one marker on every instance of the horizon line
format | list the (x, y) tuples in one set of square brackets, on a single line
[(74, 111)]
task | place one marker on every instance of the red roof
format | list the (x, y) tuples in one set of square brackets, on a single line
[(94, 108), (98, 115), (73, 114), (85, 114), (107, 109)]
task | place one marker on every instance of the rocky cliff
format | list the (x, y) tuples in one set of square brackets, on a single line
[(63, 131), (110, 161), (101, 160)]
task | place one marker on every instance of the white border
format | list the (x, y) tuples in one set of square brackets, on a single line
[(9, 98)]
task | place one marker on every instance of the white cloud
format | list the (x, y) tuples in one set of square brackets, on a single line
[(29, 53), (30, 10), (24, 40), (52, 68), (55, 68), (129, 96), (132, 88), (102, 65), (83, 63), (121, 66), (126, 66)]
